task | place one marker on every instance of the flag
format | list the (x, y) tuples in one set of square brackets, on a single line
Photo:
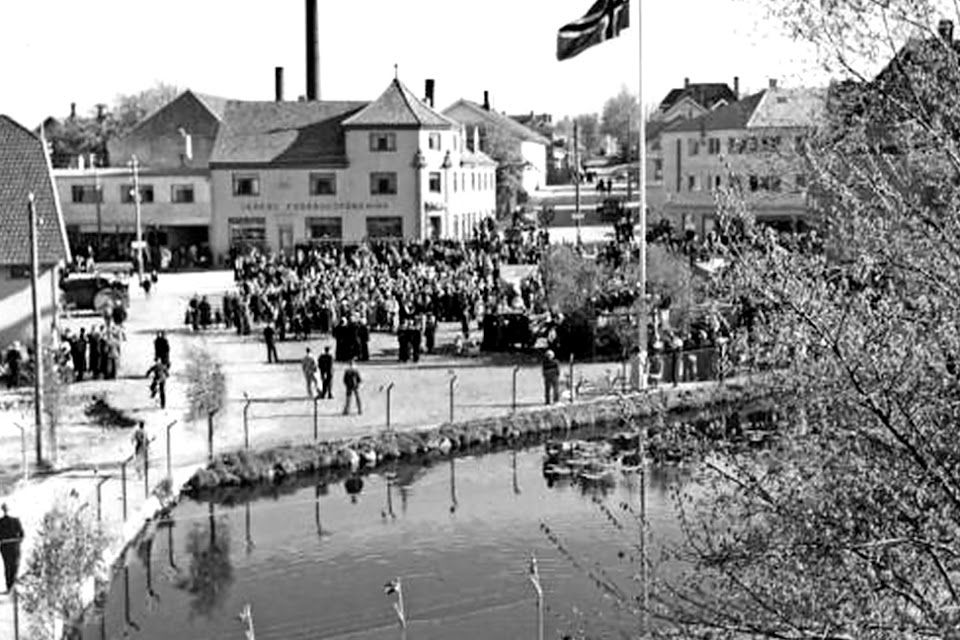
[(392, 587), (604, 21)]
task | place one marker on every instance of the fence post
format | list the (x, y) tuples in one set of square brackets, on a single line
[(572, 387), (246, 420), (513, 403), (453, 380), (146, 469), (316, 418), (123, 480), (389, 390), (623, 376), (169, 454), (100, 498), (16, 613)]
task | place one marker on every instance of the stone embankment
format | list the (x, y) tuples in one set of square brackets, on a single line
[(606, 415)]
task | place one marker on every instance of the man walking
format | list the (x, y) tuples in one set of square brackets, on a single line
[(158, 375), (325, 364), (11, 535), (351, 383), (270, 338), (551, 378), (161, 348), (309, 366)]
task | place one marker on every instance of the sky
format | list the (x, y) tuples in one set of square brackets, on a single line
[(55, 52)]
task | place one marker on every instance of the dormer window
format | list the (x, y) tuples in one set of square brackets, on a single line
[(383, 142)]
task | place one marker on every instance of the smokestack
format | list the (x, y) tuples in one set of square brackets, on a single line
[(945, 29), (100, 112), (313, 54), (736, 87), (773, 83), (278, 83), (686, 83), (428, 92), (486, 100), (73, 110)]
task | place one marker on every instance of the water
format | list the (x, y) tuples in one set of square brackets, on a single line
[(312, 562)]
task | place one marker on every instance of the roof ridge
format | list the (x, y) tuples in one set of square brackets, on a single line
[(403, 94)]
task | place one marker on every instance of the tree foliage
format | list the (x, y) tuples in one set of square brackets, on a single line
[(621, 118), (130, 109), (211, 570), (849, 526), (206, 384), (69, 550), (510, 167)]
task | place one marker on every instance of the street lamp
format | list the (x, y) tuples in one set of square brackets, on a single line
[(138, 244)]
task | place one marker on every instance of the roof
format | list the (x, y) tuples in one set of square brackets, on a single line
[(398, 107), (735, 115), (283, 132), (506, 124), (214, 104), (471, 158), (706, 94), (25, 169), (795, 107)]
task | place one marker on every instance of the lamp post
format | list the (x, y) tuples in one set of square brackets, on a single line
[(37, 346), (138, 244), (453, 380)]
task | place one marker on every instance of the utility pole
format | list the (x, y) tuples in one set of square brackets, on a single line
[(99, 189), (642, 193), (37, 342), (138, 245), (576, 177)]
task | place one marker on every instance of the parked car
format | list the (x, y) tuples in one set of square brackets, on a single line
[(95, 292)]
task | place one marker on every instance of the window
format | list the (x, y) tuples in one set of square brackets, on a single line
[(473, 181), (19, 272), (383, 184), (693, 147), (775, 183), (126, 193), (181, 193), (454, 182), (798, 143), (733, 146), (85, 194), (658, 169), (691, 183), (323, 184), (329, 229), (383, 142), (384, 227), (247, 232), (754, 183), (717, 183), (246, 184), (435, 182), (434, 141), (752, 145), (713, 146)]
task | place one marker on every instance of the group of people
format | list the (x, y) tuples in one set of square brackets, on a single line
[(318, 378), (79, 355)]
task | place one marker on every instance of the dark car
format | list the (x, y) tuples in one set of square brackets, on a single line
[(93, 291)]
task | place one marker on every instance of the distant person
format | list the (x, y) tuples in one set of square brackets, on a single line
[(161, 348), (325, 365), (270, 339), (551, 378), (139, 439), (309, 366), (158, 374), (11, 536), (351, 384)]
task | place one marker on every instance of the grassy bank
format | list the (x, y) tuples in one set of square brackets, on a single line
[(603, 416)]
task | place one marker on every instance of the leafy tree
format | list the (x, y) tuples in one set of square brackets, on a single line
[(621, 118), (588, 131), (211, 570), (69, 549), (130, 109), (848, 526), (510, 166), (206, 389)]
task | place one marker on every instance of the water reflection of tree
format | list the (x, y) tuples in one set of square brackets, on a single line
[(211, 572)]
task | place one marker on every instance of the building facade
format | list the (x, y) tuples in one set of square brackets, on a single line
[(287, 174), (750, 145), (25, 170)]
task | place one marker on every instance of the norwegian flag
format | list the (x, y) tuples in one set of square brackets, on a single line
[(604, 21)]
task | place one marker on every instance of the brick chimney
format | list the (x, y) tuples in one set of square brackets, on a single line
[(945, 29), (686, 83), (428, 92), (486, 100), (736, 87), (773, 83), (278, 83)]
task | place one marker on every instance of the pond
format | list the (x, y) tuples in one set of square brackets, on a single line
[(312, 561)]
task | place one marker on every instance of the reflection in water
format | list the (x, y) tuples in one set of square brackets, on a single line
[(516, 485), (211, 570), (453, 485), (127, 617), (248, 537), (145, 555)]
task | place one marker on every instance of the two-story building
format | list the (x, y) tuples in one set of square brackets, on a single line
[(172, 149), (750, 145), (290, 173)]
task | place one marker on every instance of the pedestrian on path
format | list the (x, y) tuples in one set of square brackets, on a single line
[(270, 338), (309, 366), (161, 348), (139, 439), (551, 378), (11, 536), (325, 364), (351, 383), (158, 375)]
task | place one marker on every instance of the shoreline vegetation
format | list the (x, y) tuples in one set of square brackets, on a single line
[(605, 416)]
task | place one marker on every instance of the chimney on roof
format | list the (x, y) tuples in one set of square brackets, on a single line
[(736, 87), (486, 100), (313, 54), (686, 83), (73, 110), (773, 83), (428, 92), (945, 29), (100, 112), (278, 83)]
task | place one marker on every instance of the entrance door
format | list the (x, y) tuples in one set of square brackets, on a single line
[(286, 238), (435, 227)]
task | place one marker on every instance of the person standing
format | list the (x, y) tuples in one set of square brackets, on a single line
[(78, 352), (158, 375), (94, 360), (161, 348), (270, 338), (351, 384), (551, 378), (14, 358), (325, 364), (139, 439), (430, 332), (11, 536), (309, 366)]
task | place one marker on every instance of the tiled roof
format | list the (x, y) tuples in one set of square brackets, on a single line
[(800, 107), (505, 123), (398, 107), (24, 169), (283, 132), (214, 104), (706, 94), (732, 116)]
